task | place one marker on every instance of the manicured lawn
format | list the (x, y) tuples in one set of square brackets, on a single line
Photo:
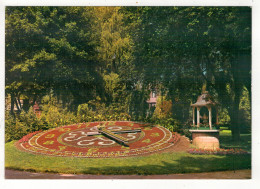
[(225, 140), (164, 163)]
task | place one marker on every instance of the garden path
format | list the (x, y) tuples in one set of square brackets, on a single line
[(238, 174)]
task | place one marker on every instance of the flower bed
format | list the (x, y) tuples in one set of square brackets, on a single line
[(231, 151), (74, 140), (27, 137), (175, 137)]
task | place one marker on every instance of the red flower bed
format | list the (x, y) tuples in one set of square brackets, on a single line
[(175, 137), (76, 140), (27, 137), (219, 151)]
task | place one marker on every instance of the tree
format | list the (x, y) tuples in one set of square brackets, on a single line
[(115, 53), (121, 53), (183, 47), (50, 49)]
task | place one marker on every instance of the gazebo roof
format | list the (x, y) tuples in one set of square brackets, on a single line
[(204, 100)]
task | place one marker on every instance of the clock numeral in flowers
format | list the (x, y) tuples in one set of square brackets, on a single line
[(111, 123), (115, 128), (62, 147), (50, 136), (155, 135), (79, 125), (92, 150), (48, 142), (76, 136), (64, 129), (131, 136), (147, 129), (147, 140)]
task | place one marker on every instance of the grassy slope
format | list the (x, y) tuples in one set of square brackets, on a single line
[(165, 163)]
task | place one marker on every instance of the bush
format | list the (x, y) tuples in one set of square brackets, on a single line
[(163, 108), (29, 119), (163, 115), (184, 129), (14, 130), (53, 115), (16, 126), (223, 117), (170, 123), (85, 113), (95, 110)]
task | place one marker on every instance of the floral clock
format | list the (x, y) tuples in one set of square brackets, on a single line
[(83, 140)]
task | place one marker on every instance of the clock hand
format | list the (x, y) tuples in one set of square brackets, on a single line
[(115, 132)]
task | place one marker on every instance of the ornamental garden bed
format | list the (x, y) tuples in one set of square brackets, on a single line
[(78, 140), (231, 151)]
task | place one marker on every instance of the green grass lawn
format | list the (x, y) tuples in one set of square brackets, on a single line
[(226, 141), (164, 163)]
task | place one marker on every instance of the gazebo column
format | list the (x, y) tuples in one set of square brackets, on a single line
[(198, 116), (210, 117), (193, 115)]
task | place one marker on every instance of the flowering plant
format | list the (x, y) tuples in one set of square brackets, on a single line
[(175, 137), (218, 151), (27, 137)]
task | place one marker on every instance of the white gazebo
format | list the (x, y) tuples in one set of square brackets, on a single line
[(204, 100), (205, 138)]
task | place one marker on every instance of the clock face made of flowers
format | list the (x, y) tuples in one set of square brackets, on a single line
[(114, 139)]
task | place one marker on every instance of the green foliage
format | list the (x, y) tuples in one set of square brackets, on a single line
[(224, 118), (120, 53), (162, 115), (50, 48), (13, 130), (245, 112), (114, 88), (115, 43), (169, 123), (163, 108), (53, 115), (84, 113), (30, 121), (21, 124), (98, 111)]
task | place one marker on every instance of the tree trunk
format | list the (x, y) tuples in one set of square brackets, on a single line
[(18, 108), (235, 123), (26, 105), (12, 104), (19, 101)]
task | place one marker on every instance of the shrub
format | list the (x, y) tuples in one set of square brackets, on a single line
[(16, 126), (170, 123), (53, 115), (84, 113), (95, 110), (163, 108), (13, 130), (29, 120)]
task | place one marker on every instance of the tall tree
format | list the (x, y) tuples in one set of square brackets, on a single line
[(50, 48), (115, 53), (183, 47)]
